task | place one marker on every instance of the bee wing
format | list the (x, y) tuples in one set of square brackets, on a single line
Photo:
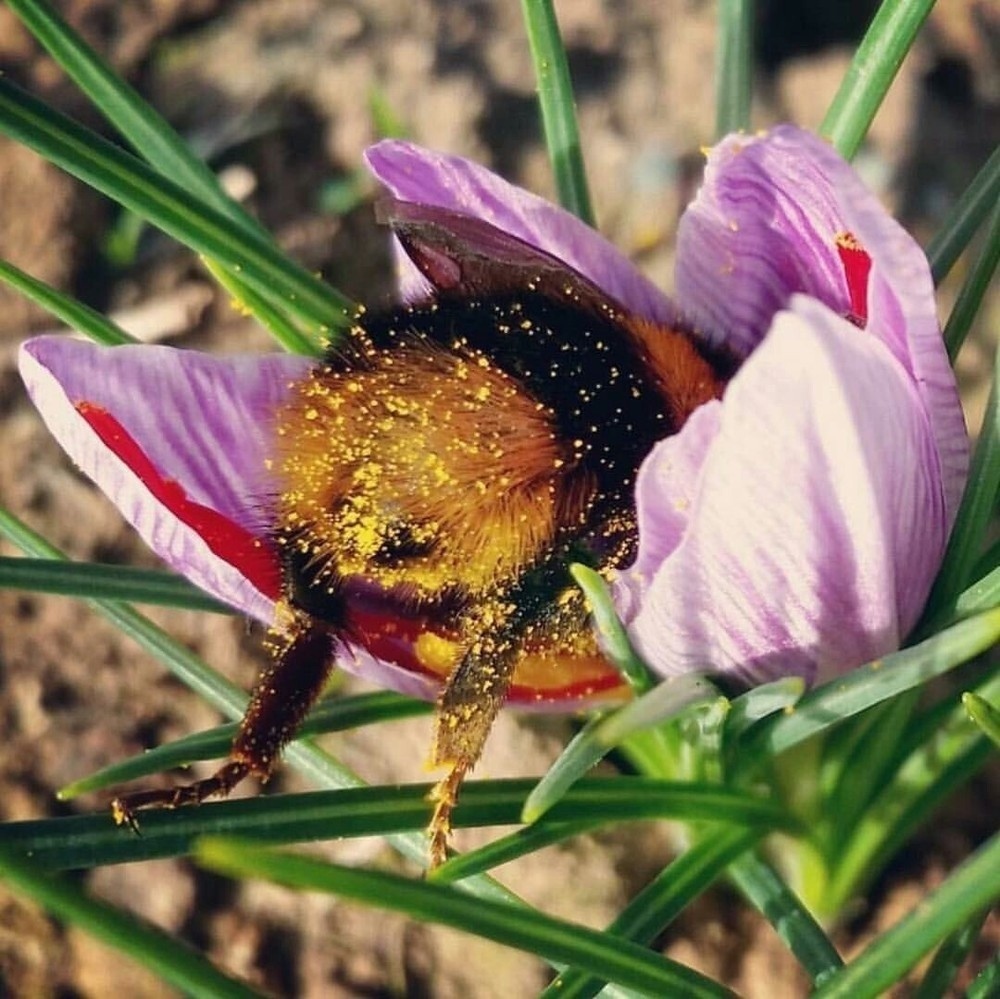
[(465, 257)]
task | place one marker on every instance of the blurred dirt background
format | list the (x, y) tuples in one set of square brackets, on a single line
[(279, 96)]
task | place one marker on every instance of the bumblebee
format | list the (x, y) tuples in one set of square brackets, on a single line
[(445, 464)]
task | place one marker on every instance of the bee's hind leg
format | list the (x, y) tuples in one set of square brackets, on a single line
[(301, 659), (466, 710)]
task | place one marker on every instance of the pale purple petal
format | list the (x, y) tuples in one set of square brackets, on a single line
[(422, 176), (817, 522), (201, 422), (902, 313), (358, 662), (668, 486), (763, 226), (766, 224)]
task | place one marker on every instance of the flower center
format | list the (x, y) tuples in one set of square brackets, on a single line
[(857, 266)]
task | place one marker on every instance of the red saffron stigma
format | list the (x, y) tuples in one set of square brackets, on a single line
[(857, 266)]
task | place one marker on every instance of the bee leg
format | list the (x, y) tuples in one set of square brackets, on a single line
[(466, 710), (301, 660)]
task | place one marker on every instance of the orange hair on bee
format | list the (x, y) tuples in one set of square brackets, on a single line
[(684, 377)]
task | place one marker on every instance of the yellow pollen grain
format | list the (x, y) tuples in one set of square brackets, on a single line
[(847, 241), (435, 652)]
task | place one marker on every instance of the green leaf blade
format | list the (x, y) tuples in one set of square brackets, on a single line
[(555, 98), (174, 962), (974, 886), (871, 684), (65, 308), (873, 68), (555, 940), (170, 207), (734, 67), (89, 580)]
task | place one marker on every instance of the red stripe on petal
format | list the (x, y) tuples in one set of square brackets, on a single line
[(250, 555), (857, 266)]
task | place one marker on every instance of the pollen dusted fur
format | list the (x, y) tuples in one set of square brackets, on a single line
[(456, 457), (460, 455)]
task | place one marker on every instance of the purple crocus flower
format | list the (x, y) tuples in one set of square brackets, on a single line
[(794, 527)]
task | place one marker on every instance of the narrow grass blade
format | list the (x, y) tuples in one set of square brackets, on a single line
[(949, 958), (169, 206), (602, 733), (734, 67), (872, 70), (504, 849), (218, 691), (176, 963), (662, 900), (88, 580), (527, 930), (144, 129), (868, 685), (858, 773), (86, 841), (658, 706), (555, 98), (987, 983), (943, 753), (330, 716), (65, 308), (758, 703), (776, 902), (973, 290), (979, 199), (583, 752), (972, 887), (246, 300), (308, 759), (985, 715), (982, 595), (977, 510), (614, 639), (151, 138)]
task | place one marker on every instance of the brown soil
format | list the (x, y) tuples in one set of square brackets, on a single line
[(277, 94)]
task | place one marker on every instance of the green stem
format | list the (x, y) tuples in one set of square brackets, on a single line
[(555, 97), (72, 312), (555, 940), (873, 68), (972, 887), (974, 289), (976, 511), (176, 963), (965, 218), (791, 920), (87, 580), (169, 206), (734, 67)]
